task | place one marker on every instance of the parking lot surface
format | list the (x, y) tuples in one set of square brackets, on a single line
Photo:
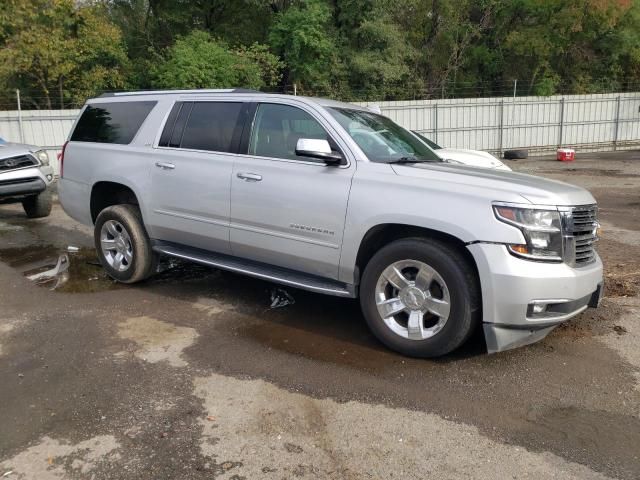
[(193, 375)]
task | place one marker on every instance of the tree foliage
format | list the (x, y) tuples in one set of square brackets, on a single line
[(62, 51), (199, 61), (57, 53)]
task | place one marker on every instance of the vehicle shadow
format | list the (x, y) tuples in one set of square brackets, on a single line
[(310, 325)]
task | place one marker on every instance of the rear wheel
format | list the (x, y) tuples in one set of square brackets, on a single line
[(38, 206), (122, 244), (420, 297)]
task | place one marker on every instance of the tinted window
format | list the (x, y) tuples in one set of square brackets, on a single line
[(168, 126), (277, 129), (178, 128), (211, 126), (111, 122)]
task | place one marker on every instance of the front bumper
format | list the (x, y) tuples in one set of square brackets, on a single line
[(23, 182), (512, 286)]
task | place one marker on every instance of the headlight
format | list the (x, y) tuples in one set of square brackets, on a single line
[(42, 156), (541, 230)]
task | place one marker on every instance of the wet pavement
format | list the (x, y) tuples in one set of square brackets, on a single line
[(192, 374)]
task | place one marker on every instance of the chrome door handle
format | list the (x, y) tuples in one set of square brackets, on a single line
[(165, 166), (249, 177)]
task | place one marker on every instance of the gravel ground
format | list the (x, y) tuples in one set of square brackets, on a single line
[(191, 374)]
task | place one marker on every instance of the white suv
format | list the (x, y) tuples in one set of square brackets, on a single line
[(336, 199)]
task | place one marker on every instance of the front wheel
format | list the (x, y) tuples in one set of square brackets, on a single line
[(38, 206), (420, 297), (122, 244)]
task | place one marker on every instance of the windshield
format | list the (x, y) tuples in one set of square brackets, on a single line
[(381, 139), (431, 143)]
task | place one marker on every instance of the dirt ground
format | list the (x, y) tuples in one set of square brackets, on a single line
[(192, 375)]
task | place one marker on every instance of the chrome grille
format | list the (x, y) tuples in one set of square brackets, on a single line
[(14, 163), (580, 225)]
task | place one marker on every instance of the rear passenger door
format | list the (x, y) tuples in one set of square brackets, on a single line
[(191, 173)]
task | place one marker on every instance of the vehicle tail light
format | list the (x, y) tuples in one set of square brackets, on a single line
[(61, 159)]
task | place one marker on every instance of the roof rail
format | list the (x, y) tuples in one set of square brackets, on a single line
[(170, 92)]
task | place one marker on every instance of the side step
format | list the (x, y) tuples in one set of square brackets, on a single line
[(258, 270)]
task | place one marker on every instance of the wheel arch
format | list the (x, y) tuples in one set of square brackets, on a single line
[(108, 193), (380, 235)]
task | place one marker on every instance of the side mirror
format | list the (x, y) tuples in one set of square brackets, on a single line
[(318, 148)]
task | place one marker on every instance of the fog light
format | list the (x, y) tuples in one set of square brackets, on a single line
[(539, 307), (49, 177)]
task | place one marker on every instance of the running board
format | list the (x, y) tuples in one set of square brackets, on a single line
[(258, 270)]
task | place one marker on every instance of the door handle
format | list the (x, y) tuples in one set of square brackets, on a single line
[(249, 177), (165, 166)]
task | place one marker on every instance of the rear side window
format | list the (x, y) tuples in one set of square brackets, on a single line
[(116, 122), (211, 126)]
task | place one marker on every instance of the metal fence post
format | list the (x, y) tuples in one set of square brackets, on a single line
[(435, 121), (560, 139), (20, 116), (500, 132), (615, 137)]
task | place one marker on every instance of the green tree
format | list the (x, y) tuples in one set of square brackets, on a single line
[(303, 37), (59, 52), (199, 61)]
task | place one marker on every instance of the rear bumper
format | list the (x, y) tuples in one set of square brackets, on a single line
[(75, 198), (513, 287)]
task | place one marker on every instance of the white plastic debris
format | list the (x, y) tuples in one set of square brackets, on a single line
[(72, 249)]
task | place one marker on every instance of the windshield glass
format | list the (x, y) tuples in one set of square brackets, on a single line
[(381, 139), (431, 143)]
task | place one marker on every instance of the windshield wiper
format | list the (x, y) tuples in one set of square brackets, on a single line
[(409, 160)]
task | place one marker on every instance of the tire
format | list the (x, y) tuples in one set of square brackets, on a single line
[(138, 261), (516, 154), (38, 206), (461, 289)]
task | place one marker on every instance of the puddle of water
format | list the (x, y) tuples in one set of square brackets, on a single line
[(79, 271), (49, 267)]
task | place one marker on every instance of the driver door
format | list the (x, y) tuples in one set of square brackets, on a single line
[(288, 210)]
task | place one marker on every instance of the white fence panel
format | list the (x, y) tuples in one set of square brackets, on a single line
[(45, 128), (540, 124)]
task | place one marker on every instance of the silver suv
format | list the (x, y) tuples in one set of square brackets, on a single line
[(336, 199), (25, 177)]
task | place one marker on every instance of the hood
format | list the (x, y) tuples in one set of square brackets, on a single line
[(503, 185), (474, 158), (12, 149)]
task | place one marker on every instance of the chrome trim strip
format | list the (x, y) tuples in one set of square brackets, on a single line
[(552, 300), (191, 217), (530, 206), (557, 319), (284, 235), (254, 273)]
